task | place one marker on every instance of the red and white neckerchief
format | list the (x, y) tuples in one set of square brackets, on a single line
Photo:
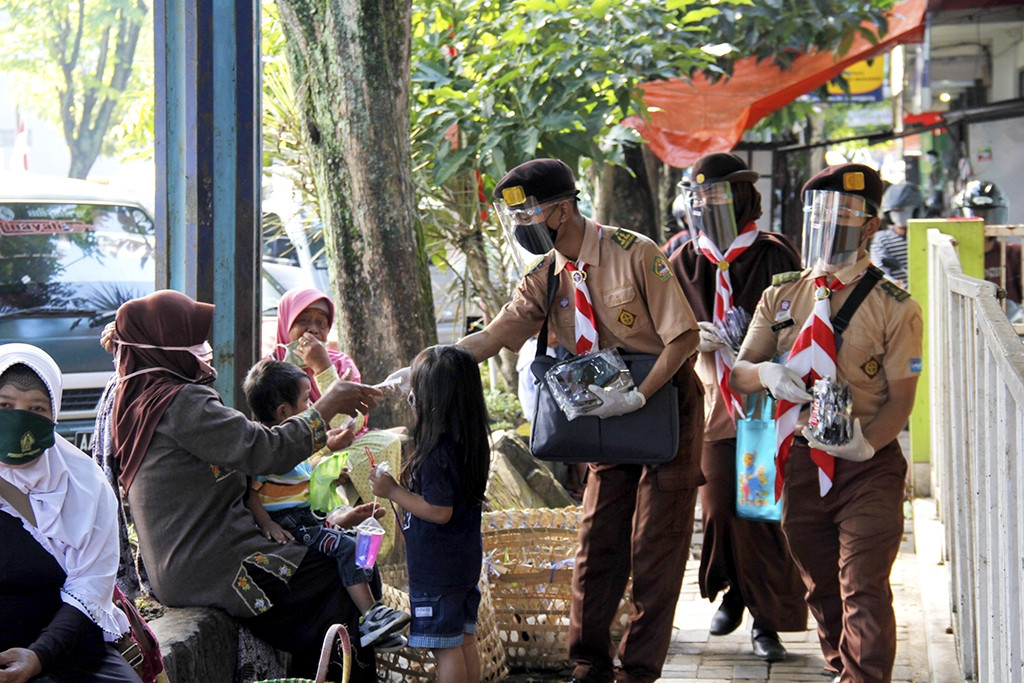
[(723, 302), (586, 323), (813, 356)]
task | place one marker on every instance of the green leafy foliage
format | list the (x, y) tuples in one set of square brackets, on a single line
[(515, 79), (780, 30), (503, 408)]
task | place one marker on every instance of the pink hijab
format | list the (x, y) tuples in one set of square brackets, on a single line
[(294, 302)]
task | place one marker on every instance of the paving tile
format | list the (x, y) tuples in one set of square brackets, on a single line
[(694, 656)]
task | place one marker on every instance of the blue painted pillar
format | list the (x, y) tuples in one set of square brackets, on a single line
[(208, 146)]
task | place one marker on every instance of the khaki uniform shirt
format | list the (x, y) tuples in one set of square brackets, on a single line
[(882, 344), (636, 299)]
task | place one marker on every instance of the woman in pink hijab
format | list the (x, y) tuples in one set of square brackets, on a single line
[(304, 318)]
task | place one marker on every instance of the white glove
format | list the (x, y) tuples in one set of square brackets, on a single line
[(857, 449), (783, 384), (397, 384), (710, 340), (615, 403)]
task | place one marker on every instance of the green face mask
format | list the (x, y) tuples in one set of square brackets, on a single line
[(23, 436)]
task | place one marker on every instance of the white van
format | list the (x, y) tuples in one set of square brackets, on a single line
[(71, 252)]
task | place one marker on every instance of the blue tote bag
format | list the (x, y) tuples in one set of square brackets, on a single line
[(755, 462)]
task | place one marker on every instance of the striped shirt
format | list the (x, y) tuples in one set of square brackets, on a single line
[(889, 252), (280, 491)]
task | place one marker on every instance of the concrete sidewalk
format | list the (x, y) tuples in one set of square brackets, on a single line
[(925, 652)]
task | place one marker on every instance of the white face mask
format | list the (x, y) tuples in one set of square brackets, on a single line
[(203, 353)]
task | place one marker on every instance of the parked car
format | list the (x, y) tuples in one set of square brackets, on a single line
[(71, 252)]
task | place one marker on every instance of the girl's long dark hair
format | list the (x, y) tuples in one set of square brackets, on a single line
[(448, 400)]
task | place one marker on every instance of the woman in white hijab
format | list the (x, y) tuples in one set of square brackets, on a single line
[(59, 537)]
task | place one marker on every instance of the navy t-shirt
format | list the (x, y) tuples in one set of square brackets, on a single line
[(448, 555)]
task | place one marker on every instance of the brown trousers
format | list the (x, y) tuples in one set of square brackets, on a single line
[(845, 544), (749, 555), (637, 518)]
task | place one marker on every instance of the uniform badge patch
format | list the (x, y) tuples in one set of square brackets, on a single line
[(563, 302), (783, 324), (660, 268), (784, 306), (626, 318), (916, 365), (871, 367), (425, 612), (623, 238)]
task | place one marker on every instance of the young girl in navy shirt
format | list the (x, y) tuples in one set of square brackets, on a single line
[(441, 488)]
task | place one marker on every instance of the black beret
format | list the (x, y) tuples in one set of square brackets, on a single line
[(542, 179), (856, 179), (718, 168)]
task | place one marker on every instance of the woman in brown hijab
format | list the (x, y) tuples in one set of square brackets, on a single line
[(184, 457), (748, 560)]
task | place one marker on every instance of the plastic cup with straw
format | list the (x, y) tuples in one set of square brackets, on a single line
[(369, 533)]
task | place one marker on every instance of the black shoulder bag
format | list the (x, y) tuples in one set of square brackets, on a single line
[(648, 436)]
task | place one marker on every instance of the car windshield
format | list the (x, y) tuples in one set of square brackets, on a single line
[(84, 259)]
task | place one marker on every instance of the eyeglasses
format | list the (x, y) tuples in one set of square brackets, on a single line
[(525, 216)]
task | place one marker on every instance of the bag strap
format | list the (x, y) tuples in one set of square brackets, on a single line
[(18, 500), (543, 334), (842, 319), (765, 406)]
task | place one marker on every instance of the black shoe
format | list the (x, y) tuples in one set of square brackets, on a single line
[(729, 615), (766, 645)]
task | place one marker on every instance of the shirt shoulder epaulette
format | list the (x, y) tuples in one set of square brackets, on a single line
[(536, 265), (624, 238), (783, 278), (894, 290)]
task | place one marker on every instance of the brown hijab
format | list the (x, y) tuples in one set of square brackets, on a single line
[(165, 319)]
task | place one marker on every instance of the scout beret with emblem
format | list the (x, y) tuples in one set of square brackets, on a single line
[(718, 168), (856, 179), (542, 179)]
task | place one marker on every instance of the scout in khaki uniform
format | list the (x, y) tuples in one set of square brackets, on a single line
[(728, 264), (634, 516), (843, 505)]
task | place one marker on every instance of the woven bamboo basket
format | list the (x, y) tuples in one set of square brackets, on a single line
[(529, 559), (416, 664)]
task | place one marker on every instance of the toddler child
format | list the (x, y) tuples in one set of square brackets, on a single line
[(442, 490), (275, 391)]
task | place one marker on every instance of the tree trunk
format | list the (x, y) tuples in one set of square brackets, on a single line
[(88, 115), (350, 63), (625, 198)]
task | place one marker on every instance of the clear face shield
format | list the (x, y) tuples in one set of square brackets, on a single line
[(525, 227), (709, 209), (833, 228)]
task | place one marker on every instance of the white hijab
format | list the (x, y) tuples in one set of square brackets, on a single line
[(74, 506)]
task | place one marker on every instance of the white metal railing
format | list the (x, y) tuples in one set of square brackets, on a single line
[(976, 370)]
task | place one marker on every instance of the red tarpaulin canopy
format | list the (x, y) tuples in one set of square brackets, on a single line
[(690, 119)]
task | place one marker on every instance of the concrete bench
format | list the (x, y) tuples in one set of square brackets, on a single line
[(198, 644)]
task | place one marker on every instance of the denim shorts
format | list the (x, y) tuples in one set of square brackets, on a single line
[(439, 620)]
